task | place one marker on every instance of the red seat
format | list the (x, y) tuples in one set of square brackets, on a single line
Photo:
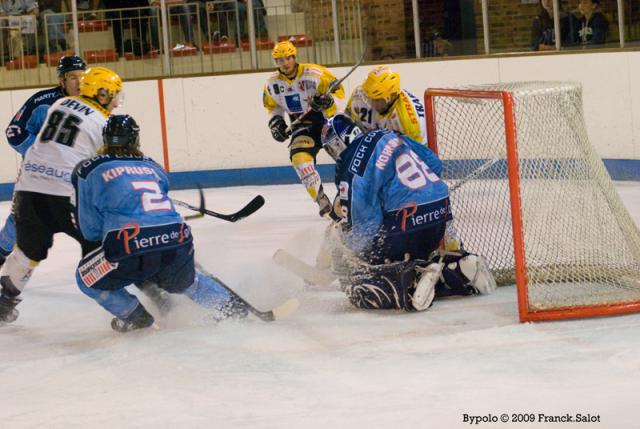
[(300, 40), (52, 59), (216, 47), (148, 56), (262, 44), (26, 62), (100, 56), (94, 25)]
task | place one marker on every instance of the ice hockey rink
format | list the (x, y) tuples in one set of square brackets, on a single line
[(327, 366)]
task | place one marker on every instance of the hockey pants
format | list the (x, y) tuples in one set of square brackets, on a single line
[(171, 270)]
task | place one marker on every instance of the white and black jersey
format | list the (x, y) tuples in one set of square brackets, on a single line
[(71, 133)]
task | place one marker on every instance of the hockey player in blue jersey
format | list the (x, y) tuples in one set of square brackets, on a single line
[(25, 125), (121, 200), (394, 208)]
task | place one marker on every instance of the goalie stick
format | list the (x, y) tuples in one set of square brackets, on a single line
[(278, 313), (247, 210), (308, 273), (332, 87)]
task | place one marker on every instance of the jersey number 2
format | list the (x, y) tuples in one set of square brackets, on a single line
[(61, 128), (152, 198)]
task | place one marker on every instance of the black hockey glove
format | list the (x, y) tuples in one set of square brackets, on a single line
[(278, 128), (320, 102)]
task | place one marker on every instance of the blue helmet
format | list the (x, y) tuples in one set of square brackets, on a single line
[(121, 131), (338, 132), (70, 63)]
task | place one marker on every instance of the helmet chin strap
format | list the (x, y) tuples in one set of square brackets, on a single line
[(389, 104)]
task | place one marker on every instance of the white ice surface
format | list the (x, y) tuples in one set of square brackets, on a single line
[(328, 366)]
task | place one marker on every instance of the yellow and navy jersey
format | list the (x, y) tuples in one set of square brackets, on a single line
[(283, 95), (405, 116)]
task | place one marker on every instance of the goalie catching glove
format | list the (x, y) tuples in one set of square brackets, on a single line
[(320, 102), (278, 128)]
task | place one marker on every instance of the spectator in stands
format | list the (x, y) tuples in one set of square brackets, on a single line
[(229, 10), (593, 25), (183, 12), (139, 17), (52, 22), (435, 45), (13, 43), (543, 37), (258, 15), (86, 8)]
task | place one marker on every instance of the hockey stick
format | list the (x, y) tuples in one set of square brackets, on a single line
[(278, 313), (332, 87), (247, 210), (201, 209)]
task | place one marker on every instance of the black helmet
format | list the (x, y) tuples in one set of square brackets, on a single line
[(338, 132), (70, 63), (121, 131)]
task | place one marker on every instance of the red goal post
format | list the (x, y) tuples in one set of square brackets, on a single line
[(531, 195)]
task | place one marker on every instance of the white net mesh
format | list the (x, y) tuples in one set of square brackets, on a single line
[(581, 246)]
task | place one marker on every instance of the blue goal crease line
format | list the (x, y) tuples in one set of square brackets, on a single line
[(619, 169)]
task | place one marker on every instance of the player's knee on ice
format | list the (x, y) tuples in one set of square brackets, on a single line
[(207, 292)]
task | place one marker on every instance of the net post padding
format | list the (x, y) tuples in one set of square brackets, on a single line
[(542, 210)]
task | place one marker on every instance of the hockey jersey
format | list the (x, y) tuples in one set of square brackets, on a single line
[(25, 125), (72, 132), (405, 116), (389, 184), (292, 96), (122, 201)]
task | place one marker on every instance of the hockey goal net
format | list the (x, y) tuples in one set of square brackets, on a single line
[(530, 194)]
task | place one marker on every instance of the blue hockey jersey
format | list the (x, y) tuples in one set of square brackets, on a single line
[(26, 124), (389, 184), (122, 201)]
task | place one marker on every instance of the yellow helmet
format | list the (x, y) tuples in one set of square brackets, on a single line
[(96, 78), (284, 49), (381, 83)]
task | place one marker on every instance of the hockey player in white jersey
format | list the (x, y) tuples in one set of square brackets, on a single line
[(71, 132), (27, 122), (380, 103)]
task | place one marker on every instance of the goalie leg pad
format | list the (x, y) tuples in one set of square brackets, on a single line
[(381, 287), (463, 274), (474, 267), (425, 290), (16, 272)]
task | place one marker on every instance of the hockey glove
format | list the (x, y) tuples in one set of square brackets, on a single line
[(278, 128), (320, 102)]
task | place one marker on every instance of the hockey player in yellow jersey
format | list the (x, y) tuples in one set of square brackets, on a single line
[(380, 103), (300, 91)]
